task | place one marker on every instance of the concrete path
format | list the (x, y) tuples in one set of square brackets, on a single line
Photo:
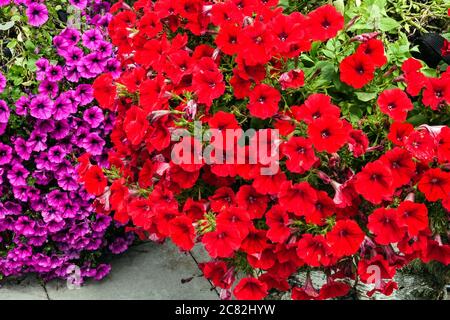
[(147, 271)]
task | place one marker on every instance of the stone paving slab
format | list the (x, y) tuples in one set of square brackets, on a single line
[(147, 271), (26, 289)]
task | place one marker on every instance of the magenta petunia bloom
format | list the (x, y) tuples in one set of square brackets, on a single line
[(41, 107), (4, 112), (93, 116), (84, 94), (37, 14), (80, 4), (4, 3), (56, 154), (2, 82), (54, 73), (5, 154), (17, 175), (92, 38), (93, 144)]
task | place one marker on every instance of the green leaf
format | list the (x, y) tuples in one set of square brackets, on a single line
[(6, 26), (340, 6), (366, 96), (388, 24)]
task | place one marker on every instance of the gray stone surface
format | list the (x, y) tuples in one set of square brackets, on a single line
[(147, 271), (26, 289)]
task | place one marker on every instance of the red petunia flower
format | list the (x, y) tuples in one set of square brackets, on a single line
[(222, 199), (345, 238), (414, 216), (443, 141), (298, 198), (333, 289), (357, 71), (105, 91), (402, 167), (373, 49), (328, 134), (223, 242), (227, 38), (386, 226), (208, 85), (375, 182), (218, 272), (292, 80), (264, 101), (299, 153), (269, 184), (277, 219), (421, 144), (368, 267), (236, 217), (398, 132), (241, 86), (255, 42), (194, 209), (95, 181), (325, 22), (316, 106), (252, 201), (435, 184), (254, 242), (436, 93), (358, 142), (323, 208), (182, 232), (135, 125), (250, 289), (395, 103), (314, 250), (437, 252), (415, 80)]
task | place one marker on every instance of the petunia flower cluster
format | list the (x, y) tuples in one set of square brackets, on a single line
[(346, 200), (47, 222)]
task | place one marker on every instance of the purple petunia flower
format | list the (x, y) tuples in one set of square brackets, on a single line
[(113, 67), (41, 107), (56, 154), (105, 48), (71, 73), (54, 73), (63, 108), (4, 112), (71, 35), (80, 4), (37, 141), (2, 82), (94, 62), (22, 105), (48, 88), (92, 38), (84, 94), (93, 144), (61, 130), (37, 14), (44, 126), (73, 55), (17, 175), (93, 116), (22, 149), (5, 154), (24, 226), (4, 3)]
